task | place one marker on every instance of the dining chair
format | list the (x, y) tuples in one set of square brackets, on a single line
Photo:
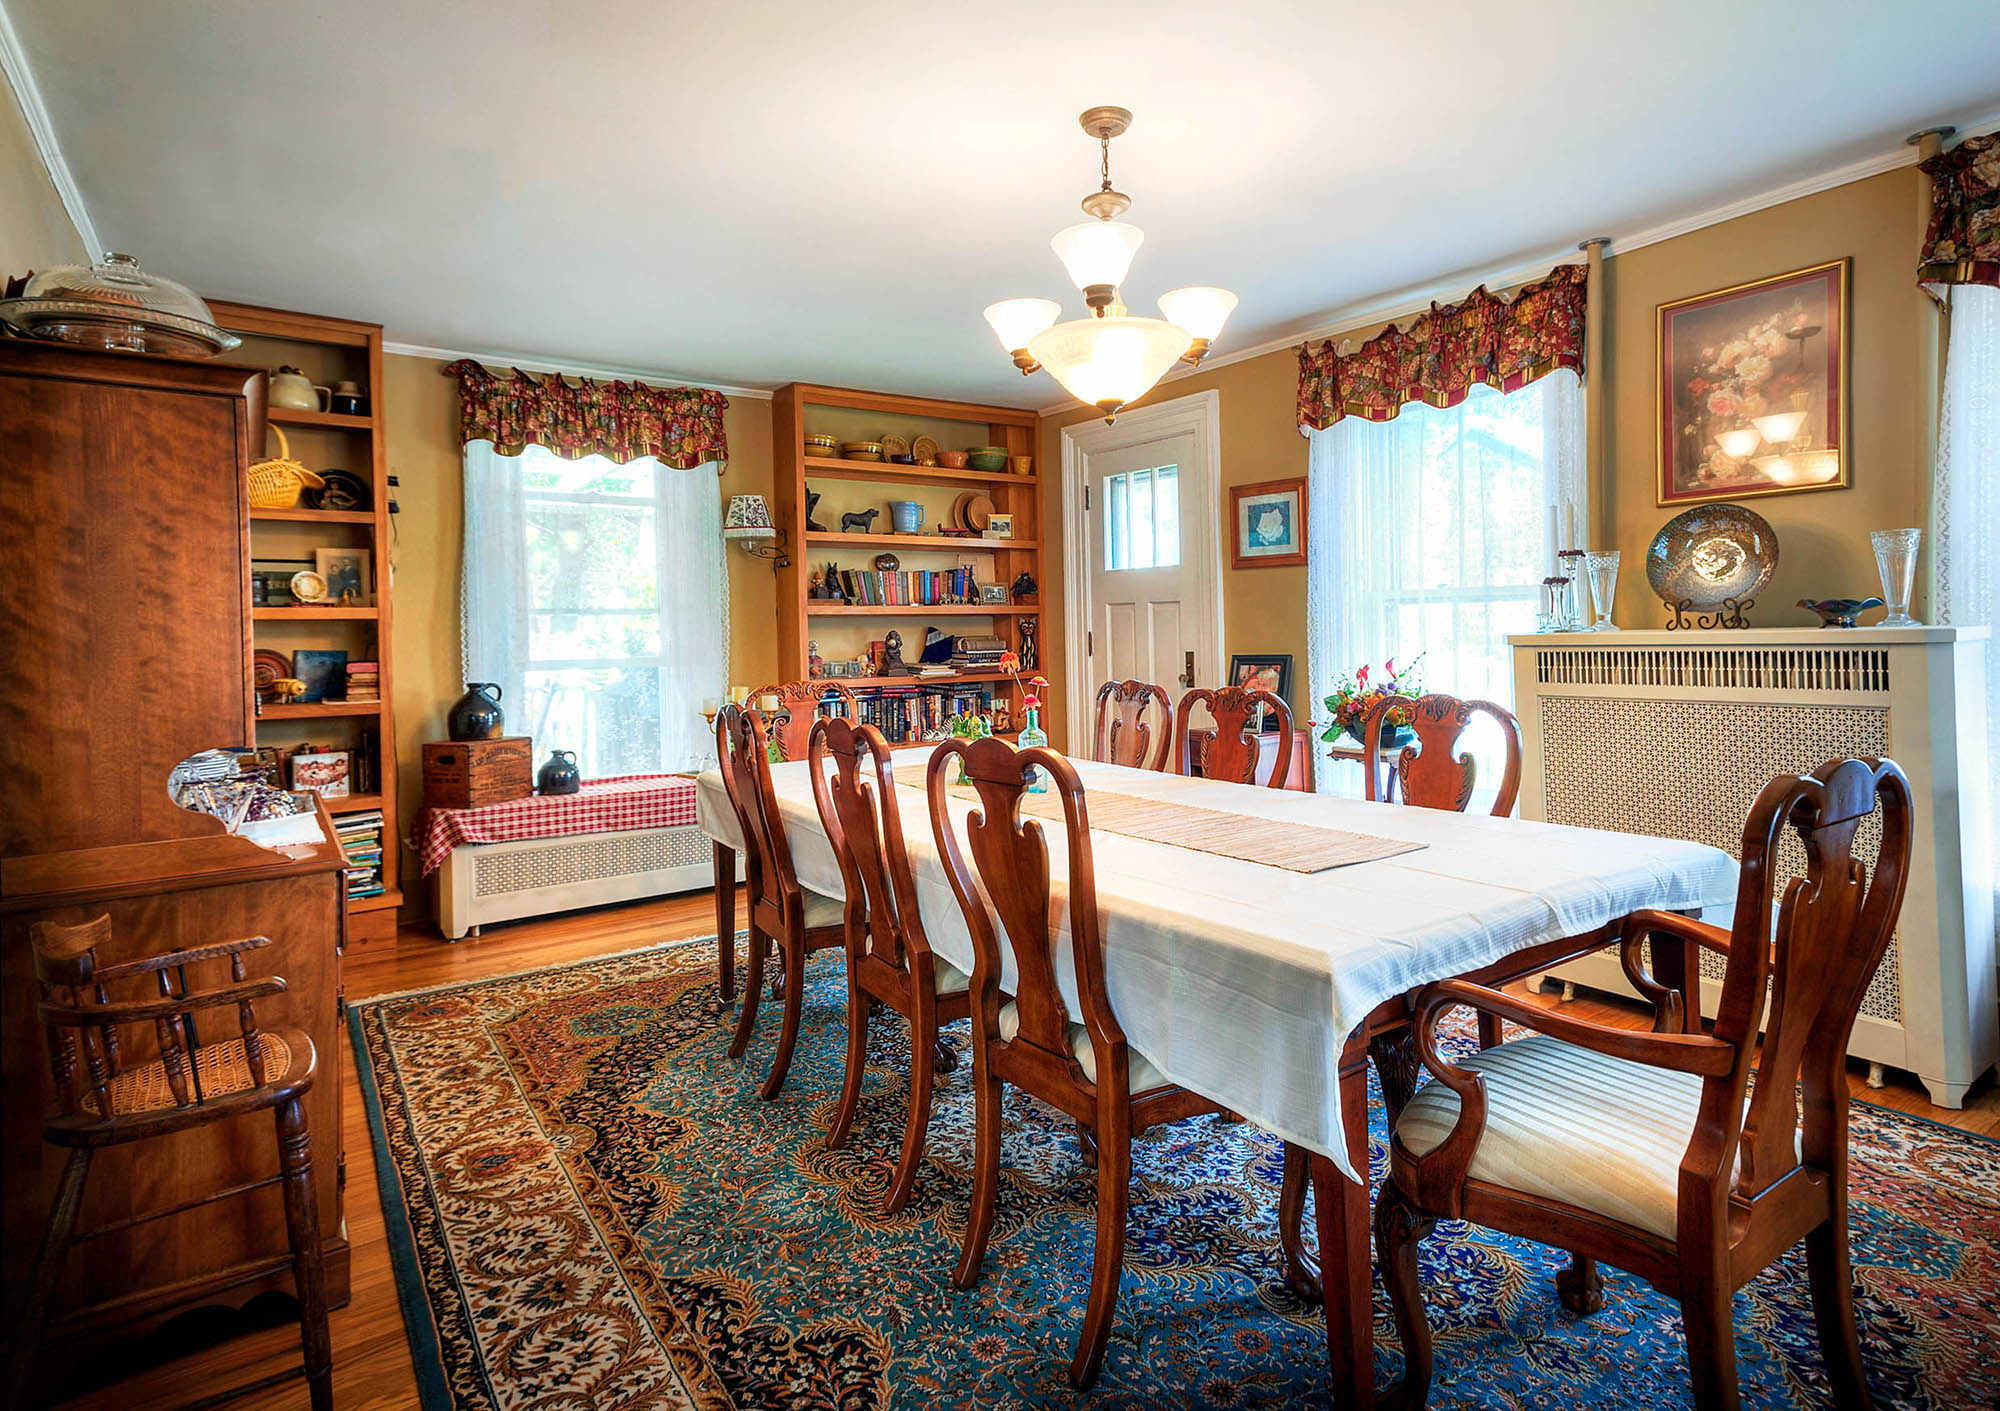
[(108, 1092), (1125, 725), (1078, 1063), (1428, 773), (1641, 1149), (1235, 750), (889, 958), (781, 912), (798, 707)]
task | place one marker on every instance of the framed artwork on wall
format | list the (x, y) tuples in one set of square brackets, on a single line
[(1269, 520), (1751, 392)]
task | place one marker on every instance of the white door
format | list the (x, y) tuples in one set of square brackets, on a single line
[(1151, 576)]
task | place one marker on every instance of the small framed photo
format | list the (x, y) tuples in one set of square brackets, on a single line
[(993, 594), (1270, 524), (347, 574), (1272, 673), (1000, 526), (324, 674), (322, 771)]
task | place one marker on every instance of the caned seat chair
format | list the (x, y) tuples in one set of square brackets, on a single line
[(798, 707), (1078, 1063), (1642, 1149), (889, 957), (796, 920), (111, 1091), (1130, 715), (1235, 750)]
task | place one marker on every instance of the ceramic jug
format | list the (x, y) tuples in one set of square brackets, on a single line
[(477, 715), (560, 775), (292, 388)]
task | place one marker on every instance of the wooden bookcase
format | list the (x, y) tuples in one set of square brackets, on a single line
[(845, 485), (328, 350)]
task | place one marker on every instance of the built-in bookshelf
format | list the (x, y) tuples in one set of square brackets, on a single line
[(845, 629), (329, 351)]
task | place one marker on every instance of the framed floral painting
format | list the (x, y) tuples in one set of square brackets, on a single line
[(1752, 391), (1270, 524)]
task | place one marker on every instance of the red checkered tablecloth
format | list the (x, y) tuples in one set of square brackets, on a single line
[(601, 806)]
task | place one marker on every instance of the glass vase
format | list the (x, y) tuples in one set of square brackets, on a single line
[(1600, 568), (1896, 561), (1031, 737)]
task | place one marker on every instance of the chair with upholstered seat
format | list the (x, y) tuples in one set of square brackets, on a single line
[(889, 957), (1131, 716), (1235, 750), (167, 1077), (799, 705), (1640, 1149), (1078, 1063), (796, 920)]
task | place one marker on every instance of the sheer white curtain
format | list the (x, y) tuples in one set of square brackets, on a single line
[(595, 593), (1968, 502), (1429, 536)]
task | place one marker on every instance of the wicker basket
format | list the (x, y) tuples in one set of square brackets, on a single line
[(275, 484)]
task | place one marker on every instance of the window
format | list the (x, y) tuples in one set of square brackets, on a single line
[(595, 594), (1142, 518), (1429, 538)]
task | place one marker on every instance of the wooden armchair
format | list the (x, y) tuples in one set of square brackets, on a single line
[(889, 957), (1123, 733), (1430, 775), (166, 1077), (1640, 1149), (798, 707), (1235, 752), (1085, 1069), (797, 920)]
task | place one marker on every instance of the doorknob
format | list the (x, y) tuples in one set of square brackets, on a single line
[(1187, 676)]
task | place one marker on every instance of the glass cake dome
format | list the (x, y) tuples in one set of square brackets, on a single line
[(115, 304)]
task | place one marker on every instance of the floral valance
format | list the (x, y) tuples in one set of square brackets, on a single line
[(680, 426), (1962, 242), (1444, 354)]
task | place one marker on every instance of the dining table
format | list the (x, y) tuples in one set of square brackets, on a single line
[(1270, 990)]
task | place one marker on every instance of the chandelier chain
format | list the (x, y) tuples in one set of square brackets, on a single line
[(1105, 143)]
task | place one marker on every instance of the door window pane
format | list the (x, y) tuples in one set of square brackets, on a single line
[(1142, 518)]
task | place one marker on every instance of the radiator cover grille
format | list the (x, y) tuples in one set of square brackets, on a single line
[(1847, 670), (587, 858)]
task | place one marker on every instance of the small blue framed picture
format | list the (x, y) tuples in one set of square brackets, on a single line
[(1270, 524)]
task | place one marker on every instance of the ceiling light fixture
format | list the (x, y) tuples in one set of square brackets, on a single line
[(1109, 358)]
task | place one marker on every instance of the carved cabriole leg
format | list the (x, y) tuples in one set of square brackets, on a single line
[(1301, 1273), (916, 1125), (753, 993), (985, 1169), (1395, 1054), (1107, 1263), (793, 953), (1086, 1144), (944, 1058), (1398, 1228), (302, 1229), (857, 1058), (1580, 1288), (724, 861), (48, 1270), (1832, 1276)]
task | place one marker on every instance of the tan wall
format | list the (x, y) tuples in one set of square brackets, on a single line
[(35, 230), (422, 408), (1823, 535)]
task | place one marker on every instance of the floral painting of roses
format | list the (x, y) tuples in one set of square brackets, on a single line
[(1752, 396)]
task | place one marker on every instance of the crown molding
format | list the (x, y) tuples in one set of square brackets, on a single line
[(573, 369), (14, 63)]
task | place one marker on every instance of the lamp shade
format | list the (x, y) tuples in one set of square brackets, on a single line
[(748, 517), (1109, 362), (1015, 321), (1097, 252), (1201, 309)]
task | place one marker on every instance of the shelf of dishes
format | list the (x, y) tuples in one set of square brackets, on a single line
[(943, 543), (836, 468), (332, 421)]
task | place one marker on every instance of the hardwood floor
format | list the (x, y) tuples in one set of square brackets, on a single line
[(371, 1358)]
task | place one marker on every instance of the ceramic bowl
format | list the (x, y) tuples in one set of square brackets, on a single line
[(1023, 465), (952, 460), (861, 450), (987, 458), (821, 445)]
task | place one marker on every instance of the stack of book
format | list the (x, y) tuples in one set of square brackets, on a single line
[(364, 681), (978, 653), (360, 837)]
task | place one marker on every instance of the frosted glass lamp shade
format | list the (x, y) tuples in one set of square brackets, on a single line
[(1015, 321), (1097, 253), (1109, 362), (1201, 309), (748, 517), (1779, 427), (1739, 442)]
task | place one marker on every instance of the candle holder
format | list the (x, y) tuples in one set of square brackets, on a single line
[(1555, 603), (1569, 567)]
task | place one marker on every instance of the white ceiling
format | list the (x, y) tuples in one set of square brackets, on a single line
[(752, 193)]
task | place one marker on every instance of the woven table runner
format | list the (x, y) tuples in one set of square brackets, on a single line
[(1295, 847)]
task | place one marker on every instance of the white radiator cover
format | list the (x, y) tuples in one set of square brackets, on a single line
[(1674, 733), (482, 882)]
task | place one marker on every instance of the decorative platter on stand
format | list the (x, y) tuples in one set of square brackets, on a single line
[(1709, 564)]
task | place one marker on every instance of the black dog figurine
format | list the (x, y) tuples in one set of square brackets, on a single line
[(862, 523)]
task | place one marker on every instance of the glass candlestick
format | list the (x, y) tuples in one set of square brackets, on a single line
[(1600, 567), (1896, 561), (1570, 568)]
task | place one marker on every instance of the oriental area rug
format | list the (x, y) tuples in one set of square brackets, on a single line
[(588, 1206)]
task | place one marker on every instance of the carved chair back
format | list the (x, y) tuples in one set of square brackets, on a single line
[(1129, 716), (798, 707), (1236, 749), (1428, 773), (768, 877), (864, 823)]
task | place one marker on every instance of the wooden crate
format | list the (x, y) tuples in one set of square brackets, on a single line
[(474, 773)]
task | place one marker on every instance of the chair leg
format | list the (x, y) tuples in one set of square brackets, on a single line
[(49, 1261), (1107, 1264), (792, 952), (1301, 1277), (302, 1229), (1489, 1030), (1711, 1339), (1580, 1288), (1832, 1276), (1086, 1144), (753, 993), (985, 1170), (1399, 1226), (916, 1127), (857, 1058), (723, 858)]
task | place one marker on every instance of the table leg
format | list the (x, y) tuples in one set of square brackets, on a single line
[(725, 918), (1346, 1270)]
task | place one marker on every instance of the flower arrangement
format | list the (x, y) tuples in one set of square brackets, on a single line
[(1355, 695)]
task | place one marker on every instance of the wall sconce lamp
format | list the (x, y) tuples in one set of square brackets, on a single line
[(748, 522)]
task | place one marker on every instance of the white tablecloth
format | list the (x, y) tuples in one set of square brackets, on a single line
[(1243, 982)]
